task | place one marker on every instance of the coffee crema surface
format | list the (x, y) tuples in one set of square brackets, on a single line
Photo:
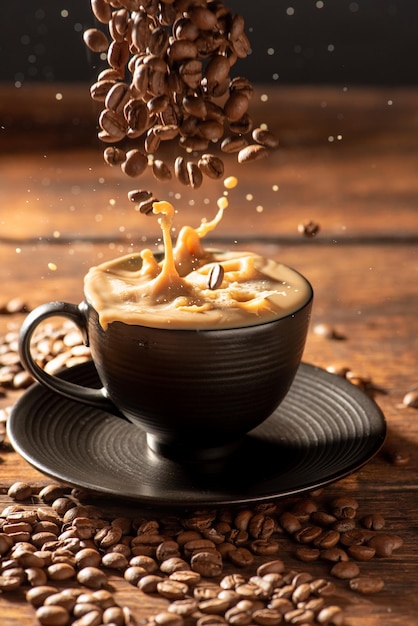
[(179, 291)]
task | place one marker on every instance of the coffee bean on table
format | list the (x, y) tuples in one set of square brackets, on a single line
[(208, 564), (411, 399), (52, 616), (331, 616), (20, 491), (366, 584), (398, 456), (361, 553), (384, 544), (345, 570)]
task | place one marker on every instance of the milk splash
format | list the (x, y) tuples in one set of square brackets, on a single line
[(174, 291)]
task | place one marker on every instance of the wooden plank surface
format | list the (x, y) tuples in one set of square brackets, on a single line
[(363, 266)]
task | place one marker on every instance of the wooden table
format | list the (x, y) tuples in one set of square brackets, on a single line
[(348, 160)]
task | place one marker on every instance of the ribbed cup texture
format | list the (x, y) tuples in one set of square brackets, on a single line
[(203, 387)]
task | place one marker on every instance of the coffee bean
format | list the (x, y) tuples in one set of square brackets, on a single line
[(172, 589), (308, 534), (208, 564), (194, 174), (149, 583), (361, 553), (19, 491), (233, 143), (309, 229), (36, 596), (135, 163), (115, 560), (92, 577), (344, 525), (52, 616), (161, 170), (100, 89), (117, 97), (330, 616), (322, 587), (180, 170), (217, 72), (344, 507), (243, 126), (211, 166), (137, 118), (146, 206), (114, 156), (345, 570), (367, 584), (265, 138), (384, 544), (374, 521), (356, 536), (216, 276), (334, 555), (253, 152), (411, 399), (240, 615), (290, 522), (241, 557), (139, 195), (52, 492), (113, 124), (307, 554), (271, 567), (299, 616), (327, 539), (398, 457), (96, 40)]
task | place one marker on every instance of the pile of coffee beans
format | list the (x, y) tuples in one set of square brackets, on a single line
[(63, 552), (55, 346), (222, 566), (168, 77)]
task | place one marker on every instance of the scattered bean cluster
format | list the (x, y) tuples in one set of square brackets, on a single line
[(54, 347), (219, 567), (334, 534), (168, 78)]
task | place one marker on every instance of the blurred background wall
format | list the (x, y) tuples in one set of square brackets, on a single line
[(294, 41)]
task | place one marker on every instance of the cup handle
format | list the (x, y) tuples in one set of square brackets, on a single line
[(78, 315)]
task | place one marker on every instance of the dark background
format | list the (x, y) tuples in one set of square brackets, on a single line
[(294, 41)]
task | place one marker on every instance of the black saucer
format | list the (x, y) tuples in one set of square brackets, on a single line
[(325, 429)]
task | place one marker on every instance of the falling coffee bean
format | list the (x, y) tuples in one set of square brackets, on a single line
[(309, 229), (216, 276)]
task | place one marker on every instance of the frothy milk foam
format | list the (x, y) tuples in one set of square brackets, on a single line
[(175, 292)]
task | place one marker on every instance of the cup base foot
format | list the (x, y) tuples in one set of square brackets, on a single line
[(189, 453)]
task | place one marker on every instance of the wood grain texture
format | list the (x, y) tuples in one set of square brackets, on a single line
[(363, 266)]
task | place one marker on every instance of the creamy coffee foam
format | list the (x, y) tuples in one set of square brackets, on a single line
[(176, 293)]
